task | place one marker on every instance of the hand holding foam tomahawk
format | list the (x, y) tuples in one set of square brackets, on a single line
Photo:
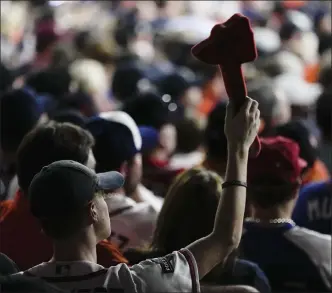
[(229, 45)]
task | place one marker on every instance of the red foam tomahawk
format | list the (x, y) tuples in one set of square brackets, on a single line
[(229, 45)]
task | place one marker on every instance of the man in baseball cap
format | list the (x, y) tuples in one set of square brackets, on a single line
[(118, 144), (74, 263), (290, 256), (70, 188)]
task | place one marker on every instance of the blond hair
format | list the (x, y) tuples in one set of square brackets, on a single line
[(90, 75)]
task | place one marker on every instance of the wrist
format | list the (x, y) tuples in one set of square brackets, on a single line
[(239, 152)]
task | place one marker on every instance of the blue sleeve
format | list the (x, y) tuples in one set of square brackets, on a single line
[(300, 215), (250, 274)]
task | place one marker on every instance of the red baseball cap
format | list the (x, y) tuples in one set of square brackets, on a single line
[(279, 158)]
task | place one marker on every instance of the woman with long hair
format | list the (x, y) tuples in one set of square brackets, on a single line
[(188, 214)]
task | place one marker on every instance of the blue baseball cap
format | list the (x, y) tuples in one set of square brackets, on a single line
[(118, 138)]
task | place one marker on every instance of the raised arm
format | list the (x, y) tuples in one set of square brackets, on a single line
[(241, 130)]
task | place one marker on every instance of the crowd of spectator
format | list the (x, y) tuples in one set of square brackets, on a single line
[(125, 167)]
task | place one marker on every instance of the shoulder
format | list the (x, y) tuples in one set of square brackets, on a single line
[(315, 188), (173, 272), (313, 243)]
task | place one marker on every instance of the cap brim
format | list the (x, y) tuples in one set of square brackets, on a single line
[(110, 180)]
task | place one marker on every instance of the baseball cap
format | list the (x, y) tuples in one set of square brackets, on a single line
[(279, 159), (117, 137), (65, 186), (148, 109), (298, 131)]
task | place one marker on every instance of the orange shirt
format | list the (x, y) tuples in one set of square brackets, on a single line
[(318, 172), (22, 240)]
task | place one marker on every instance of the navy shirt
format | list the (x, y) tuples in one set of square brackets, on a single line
[(293, 258), (313, 209)]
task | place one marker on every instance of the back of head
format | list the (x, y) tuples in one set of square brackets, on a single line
[(70, 116), (174, 84), (55, 82), (265, 94), (189, 136), (47, 144), (215, 140), (324, 113), (117, 139), (297, 131), (128, 79), (148, 109), (274, 177), (90, 75), (20, 112), (188, 211)]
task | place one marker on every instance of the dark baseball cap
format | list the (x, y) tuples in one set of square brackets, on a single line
[(118, 138), (298, 131), (148, 109), (279, 159), (66, 186)]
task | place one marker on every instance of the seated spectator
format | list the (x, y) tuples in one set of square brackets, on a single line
[(133, 210), (298, 131), (20, 235), (188, 214), (293, 258), (324, 118), (25, 105), (157, 174), (84, 221), (313, 209)]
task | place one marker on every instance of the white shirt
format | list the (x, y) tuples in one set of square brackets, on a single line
[(176, 272), (149, 197), (132, 223)]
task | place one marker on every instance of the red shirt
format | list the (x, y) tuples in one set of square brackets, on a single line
[(22, 239)]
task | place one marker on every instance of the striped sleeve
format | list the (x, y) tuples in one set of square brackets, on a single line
[(176, 272)]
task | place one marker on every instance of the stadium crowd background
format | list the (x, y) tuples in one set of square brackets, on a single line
[(122, 72)]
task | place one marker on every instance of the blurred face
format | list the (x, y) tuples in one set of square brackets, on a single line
[(167, 138), (102, 223), (133, 174)]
